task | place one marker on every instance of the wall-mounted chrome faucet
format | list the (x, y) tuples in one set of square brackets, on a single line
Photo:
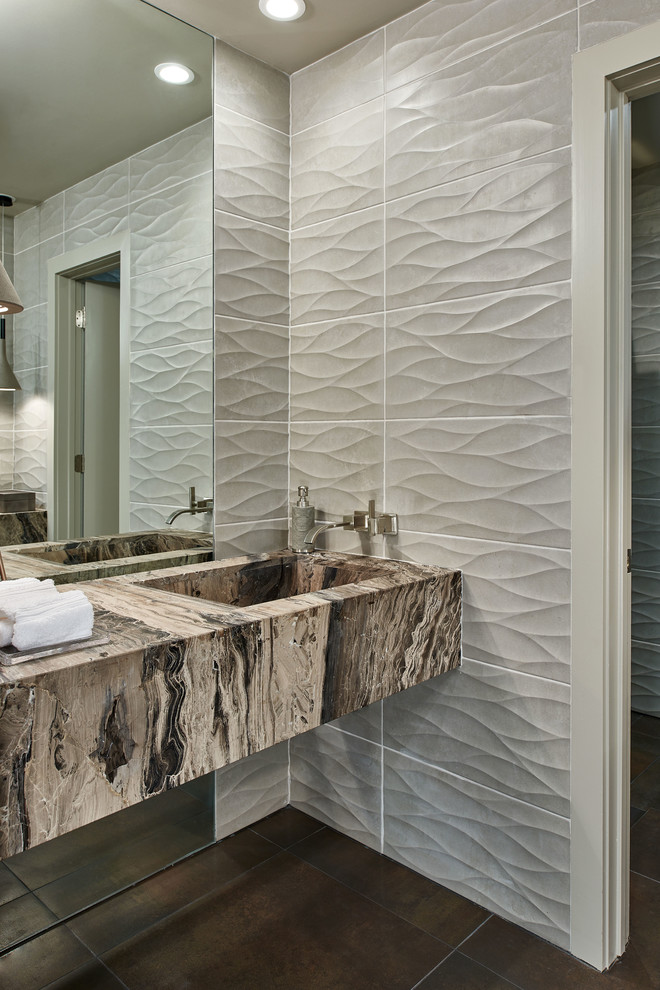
[(371, 522), (195, 506)]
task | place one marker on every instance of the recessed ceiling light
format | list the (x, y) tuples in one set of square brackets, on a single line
[(175, 73), (282, 10)]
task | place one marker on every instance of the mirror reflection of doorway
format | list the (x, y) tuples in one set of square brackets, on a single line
[(645, 617)]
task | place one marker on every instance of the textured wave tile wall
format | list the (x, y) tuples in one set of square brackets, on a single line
[(337, 370), (337, 267), (30, 459), (236, 539), (337, 779), (252, 177), (646, 533), (251, 269), (166, 461), (439, 34), (502, 479), (28, 342), (468, 118), (495, 354), (496, 727), (516, 600), (178, 159), (605, 19), (646, 678), (251, 789), (100, 194), (338, 166), (252, 370), (173, 305), (507, 855), (500, 230), (172, 386), (251, 471), (172, 226)]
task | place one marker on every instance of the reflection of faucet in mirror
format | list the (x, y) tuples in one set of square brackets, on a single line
[(195, 506)]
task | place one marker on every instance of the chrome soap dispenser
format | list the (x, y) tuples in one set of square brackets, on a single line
[(302, 520)]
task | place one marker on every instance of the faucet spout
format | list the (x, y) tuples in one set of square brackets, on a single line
[(196, 505), (313, 534)]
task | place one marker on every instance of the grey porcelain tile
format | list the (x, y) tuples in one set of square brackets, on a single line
[(516, 599), (336, 778), (254, 537), (7, 453), (104, 192), (337, 165), (605, 19), (645, 249), (31, 271), (496, 479), (172, 305), (337, 268), (172, 386), (251, 168), (645, 320), (645, 185), (28, 344), (178, 158), (494, 354), (645, 606), (146, 516), (166, 461), (494, 726), (95, 229), (250, 87), (173, 226), (252, 370), (646, 462), (339, 82), (251, 471), (251, 270), (646, 533), (508, 856), (30, 404), (645, 397), (51, 217), (30, 460), (508, 103), (367, 723), (337, 370), (249, 790), (438, 34), (645, 685), (502, 230), (341, 462), (26, 229)]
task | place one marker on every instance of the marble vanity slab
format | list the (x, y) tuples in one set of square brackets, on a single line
[(283, 643), (23, 527)]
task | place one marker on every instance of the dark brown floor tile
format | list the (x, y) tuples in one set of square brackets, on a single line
[(22, 918), (287, 826), (10, 886), (422, 902), (642, 740), (460, 973), (126, 864), (284, 926), (645, 845), (44, 959), (645, 790), (649, 725), (52, 860), (93, 976), (640, 760), (636, 814), (136, 909)]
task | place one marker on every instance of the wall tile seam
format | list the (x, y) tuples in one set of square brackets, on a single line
[(433, 766), (444, 419), (253, 120), (480, 51), (154, 194), (252, 321), (519, 673), (39, 244), (217, 212), (168, 268), (243, 216), (481, 539), (336, 116), (252, 522)]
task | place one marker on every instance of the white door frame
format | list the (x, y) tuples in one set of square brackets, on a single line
[(61, 272), (605, 78)]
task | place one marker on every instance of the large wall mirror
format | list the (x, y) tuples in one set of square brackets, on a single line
[(111, 170)]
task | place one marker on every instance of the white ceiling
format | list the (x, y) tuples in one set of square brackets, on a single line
[(77, 83)]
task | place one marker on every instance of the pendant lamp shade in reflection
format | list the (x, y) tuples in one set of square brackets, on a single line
[(9, 303)]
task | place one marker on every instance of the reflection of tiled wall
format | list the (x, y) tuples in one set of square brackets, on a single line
[(251, 303), (6, 398), (163, 196), (646, 441), (430, 370)]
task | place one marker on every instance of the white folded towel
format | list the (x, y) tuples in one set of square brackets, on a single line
[(66, 617), (44, 591), (8, 589)]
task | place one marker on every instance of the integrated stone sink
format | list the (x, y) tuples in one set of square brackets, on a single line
[(106, 556), (207, 664)]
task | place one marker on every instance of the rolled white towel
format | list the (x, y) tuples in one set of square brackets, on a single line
[(18, 586), (62, 619), (44, 591)]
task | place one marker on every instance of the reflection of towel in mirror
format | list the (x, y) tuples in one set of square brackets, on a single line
[(18, 594), (66, 617)]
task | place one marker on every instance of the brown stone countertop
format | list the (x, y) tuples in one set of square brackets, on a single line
[(207, 664)]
